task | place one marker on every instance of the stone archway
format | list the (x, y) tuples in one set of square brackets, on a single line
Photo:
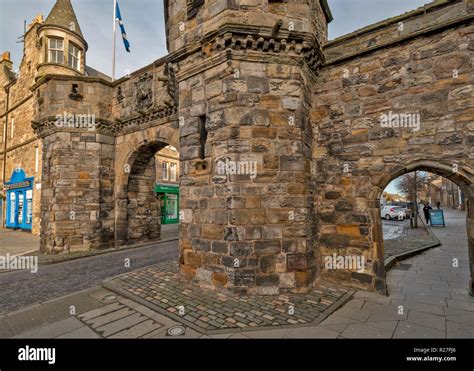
[(463, 177), (137, 209)]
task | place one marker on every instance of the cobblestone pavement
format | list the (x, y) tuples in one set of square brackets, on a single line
[(428, 299), (22, 288), (399, 237), (159, 288)]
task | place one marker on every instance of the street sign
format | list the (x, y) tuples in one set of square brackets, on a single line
[(437, 217)]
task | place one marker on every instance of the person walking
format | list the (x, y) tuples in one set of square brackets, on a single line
[(438, 205), (426, 211)]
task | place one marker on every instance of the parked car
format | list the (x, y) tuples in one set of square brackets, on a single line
[(393, 212), (409, 207)]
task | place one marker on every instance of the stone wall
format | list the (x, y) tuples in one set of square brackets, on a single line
[(73, 117), (244, 101), (188, 26), (77, 197), (284, 146), (358, 153)]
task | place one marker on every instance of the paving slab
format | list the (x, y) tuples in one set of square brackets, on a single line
[(464, 305), (311, 332), (407, 329), (267, 334), (100, 311), (456, 330), (428, 320), (17, 242), (120, 325), (110, 317), (336, 319), (420, 307), (365, 331), (137, 331), (426, 299), (53, 330), (81, 333), (385, 325)]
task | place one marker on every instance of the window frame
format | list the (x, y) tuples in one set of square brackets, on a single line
[(173, 169), (56, 50), (165, 171), (73, 57)]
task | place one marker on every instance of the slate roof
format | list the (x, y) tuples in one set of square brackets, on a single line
[(62, 15)]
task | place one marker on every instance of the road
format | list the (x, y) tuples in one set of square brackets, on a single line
[(393, 229), (19, 289)]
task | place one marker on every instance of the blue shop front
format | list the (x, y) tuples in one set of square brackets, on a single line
[(19, 199)]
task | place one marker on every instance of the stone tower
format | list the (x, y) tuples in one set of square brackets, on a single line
[(60, 40), (72, 117), (244, 70)]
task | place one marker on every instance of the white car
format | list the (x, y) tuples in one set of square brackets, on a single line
[(393, 212)]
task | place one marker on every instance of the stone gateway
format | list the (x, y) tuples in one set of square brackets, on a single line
[(252, 82)]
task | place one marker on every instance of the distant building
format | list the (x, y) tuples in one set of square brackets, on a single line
[(167, 184), (444, 191)]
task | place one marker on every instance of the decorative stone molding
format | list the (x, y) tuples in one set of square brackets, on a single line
[(250, 38), (144, 93), (142, 120), (48, 125)]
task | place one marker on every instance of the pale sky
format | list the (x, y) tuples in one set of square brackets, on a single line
[(144, 23)]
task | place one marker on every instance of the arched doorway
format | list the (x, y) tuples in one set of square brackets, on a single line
[(138, 205), (462, 177)]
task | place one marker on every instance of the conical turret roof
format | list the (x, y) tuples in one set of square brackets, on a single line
[(63, 15)]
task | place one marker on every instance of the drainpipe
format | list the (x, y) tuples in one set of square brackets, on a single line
[(453, 196), (415, 222), (7, 87)]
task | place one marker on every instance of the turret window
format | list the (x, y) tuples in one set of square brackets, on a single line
[(56, 50), (74, 56)]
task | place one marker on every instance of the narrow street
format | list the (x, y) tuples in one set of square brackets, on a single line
[(393, 229), (20, 289), (428, 298)]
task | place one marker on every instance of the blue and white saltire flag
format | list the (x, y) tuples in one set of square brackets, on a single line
[(118, 16)]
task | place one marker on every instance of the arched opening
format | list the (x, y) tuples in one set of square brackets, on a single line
[(451, 177), (149, 196)]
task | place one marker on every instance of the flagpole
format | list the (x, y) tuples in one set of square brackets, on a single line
[(114, 42)]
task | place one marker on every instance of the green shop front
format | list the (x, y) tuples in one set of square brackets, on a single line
[(169, 200)]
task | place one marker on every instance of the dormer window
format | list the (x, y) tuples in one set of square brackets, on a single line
[(74, 56), (56, 50)]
